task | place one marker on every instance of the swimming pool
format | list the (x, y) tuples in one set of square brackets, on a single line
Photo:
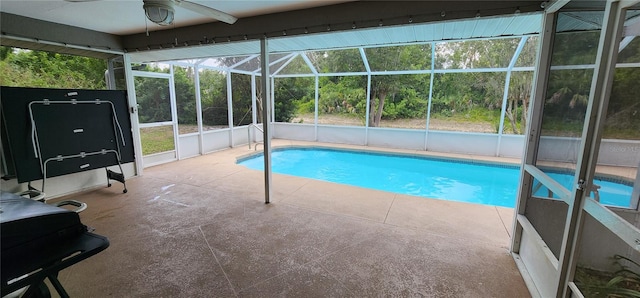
[(448, 179)]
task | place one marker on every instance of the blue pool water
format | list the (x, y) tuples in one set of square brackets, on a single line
[(463, 181)]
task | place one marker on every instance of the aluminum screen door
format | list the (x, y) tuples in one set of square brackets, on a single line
[(155, 98)]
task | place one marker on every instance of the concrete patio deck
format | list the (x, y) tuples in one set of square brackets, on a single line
[(200, 228)]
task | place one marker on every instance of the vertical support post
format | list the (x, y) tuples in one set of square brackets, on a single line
[(133, 109), (254, 106), (539, 88), (367, 67), (266, 117), (591, 135), (315, 108), (368, 111), (433, 68), (230, 108), (273, 99), (196, 78), (109, 75), (635, 194), (254, 111), (174, 112)]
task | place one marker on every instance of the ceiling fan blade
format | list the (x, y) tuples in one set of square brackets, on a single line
[(81, 0), (207, 11)]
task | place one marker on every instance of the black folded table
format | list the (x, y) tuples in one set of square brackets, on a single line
[(39, 240)]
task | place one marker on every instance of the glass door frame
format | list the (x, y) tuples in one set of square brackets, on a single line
[(577, 198), (166, 156)]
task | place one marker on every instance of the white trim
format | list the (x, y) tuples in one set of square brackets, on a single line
[(199, 120), (133, 110)]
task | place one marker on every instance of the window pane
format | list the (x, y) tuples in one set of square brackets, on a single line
[(250, 65), (183, 78), (404, 101), (241, 95), (567, 95), (469, 102), (342, 100), (617, 180), (338, 61), (566, 103), (213, 96), (623, 114), (153, 98), (576, 39), (517, 109), (296, 66), (295, 100), (152, 67), (223, 61), (277, 61), (253, 65), (409, 57), (631, 51), (157, 139), (487, 53), (529, 52)]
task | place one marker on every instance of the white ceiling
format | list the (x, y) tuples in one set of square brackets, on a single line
[(122, 17)]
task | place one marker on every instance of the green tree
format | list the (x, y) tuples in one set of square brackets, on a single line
[(518, 101), (242, 98), (486, 53), (342, 95), (213, 95), (183, 78), (27, 68), (290, 93), (153, 98)]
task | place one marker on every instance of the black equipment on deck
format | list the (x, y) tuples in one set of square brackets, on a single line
[(54, 132), (38, 240)]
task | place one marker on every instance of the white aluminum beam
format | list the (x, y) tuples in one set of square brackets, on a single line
[(174, 112), (505, 93), (539, 86), (199, 120)]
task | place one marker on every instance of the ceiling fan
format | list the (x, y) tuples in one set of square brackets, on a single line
[(162, 12)]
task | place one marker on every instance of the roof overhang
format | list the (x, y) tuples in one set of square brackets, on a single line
[(25, 32)]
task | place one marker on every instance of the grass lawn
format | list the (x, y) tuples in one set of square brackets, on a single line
[(156, 139)]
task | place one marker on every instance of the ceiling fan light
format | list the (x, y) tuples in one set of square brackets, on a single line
[(159, 13)]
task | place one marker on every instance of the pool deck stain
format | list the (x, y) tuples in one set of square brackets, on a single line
[(211, 235)]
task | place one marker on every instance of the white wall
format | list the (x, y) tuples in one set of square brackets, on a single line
[(396, 138), (298, 132), (563, 149), (512, 146), (351, 135), (619, 152), (240, 136), (462, 142), (612, 152), (189, 145), (215, 140)]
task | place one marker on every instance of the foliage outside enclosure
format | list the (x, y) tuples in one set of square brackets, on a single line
[(465, 90), (26, 68)]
